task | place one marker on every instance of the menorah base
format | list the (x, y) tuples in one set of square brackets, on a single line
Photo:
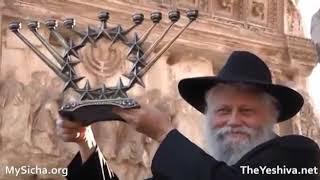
[(91, 111)]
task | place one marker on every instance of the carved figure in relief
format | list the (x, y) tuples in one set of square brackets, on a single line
[(14, 110), (293, 18), (43, 131), (258, 9), (226, 4), (36, 94)]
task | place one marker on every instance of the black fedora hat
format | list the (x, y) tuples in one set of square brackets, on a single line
[(242, 67)]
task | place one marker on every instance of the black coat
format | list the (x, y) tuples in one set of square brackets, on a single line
[(179, 159)]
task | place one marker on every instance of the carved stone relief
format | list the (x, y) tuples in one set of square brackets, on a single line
[(185, 3), (293, 19), (262, 14), (226, 5), (228, 8), (307, 124), (204, 5), (104, 60), (273, 18), (258, 10)]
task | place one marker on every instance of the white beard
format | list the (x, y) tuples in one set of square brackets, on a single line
[(230, 150)]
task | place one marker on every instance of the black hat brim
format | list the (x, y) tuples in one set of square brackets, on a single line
[(193, 91)]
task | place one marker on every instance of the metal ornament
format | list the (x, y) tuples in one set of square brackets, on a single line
[(95, 104)]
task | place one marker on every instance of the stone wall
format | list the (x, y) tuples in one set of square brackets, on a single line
[(30, 92)]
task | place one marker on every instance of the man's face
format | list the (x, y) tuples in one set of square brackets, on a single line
[(237, 119)]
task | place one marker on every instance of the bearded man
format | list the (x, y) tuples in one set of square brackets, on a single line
[(241, 105)]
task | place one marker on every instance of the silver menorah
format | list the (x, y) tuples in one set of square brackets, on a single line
[(95, 104)]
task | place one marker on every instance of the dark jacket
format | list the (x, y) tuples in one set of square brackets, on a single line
[(177, 158)]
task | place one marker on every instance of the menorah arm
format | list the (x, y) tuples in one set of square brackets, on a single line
[(164, 49), (41, 56), (156, 18), (72, 27), (137, 19), (146, 34), (54, 53), (154, 45), (130, 29), (60, 39)]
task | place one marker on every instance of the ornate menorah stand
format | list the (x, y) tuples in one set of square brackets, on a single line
[(95, 104)]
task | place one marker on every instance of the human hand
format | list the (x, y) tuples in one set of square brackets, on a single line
[(70, 131), (147, 120)]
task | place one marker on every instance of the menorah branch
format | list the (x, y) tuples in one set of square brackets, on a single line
[(33, 26), (96, 103), (151, 62), (14, 27)]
